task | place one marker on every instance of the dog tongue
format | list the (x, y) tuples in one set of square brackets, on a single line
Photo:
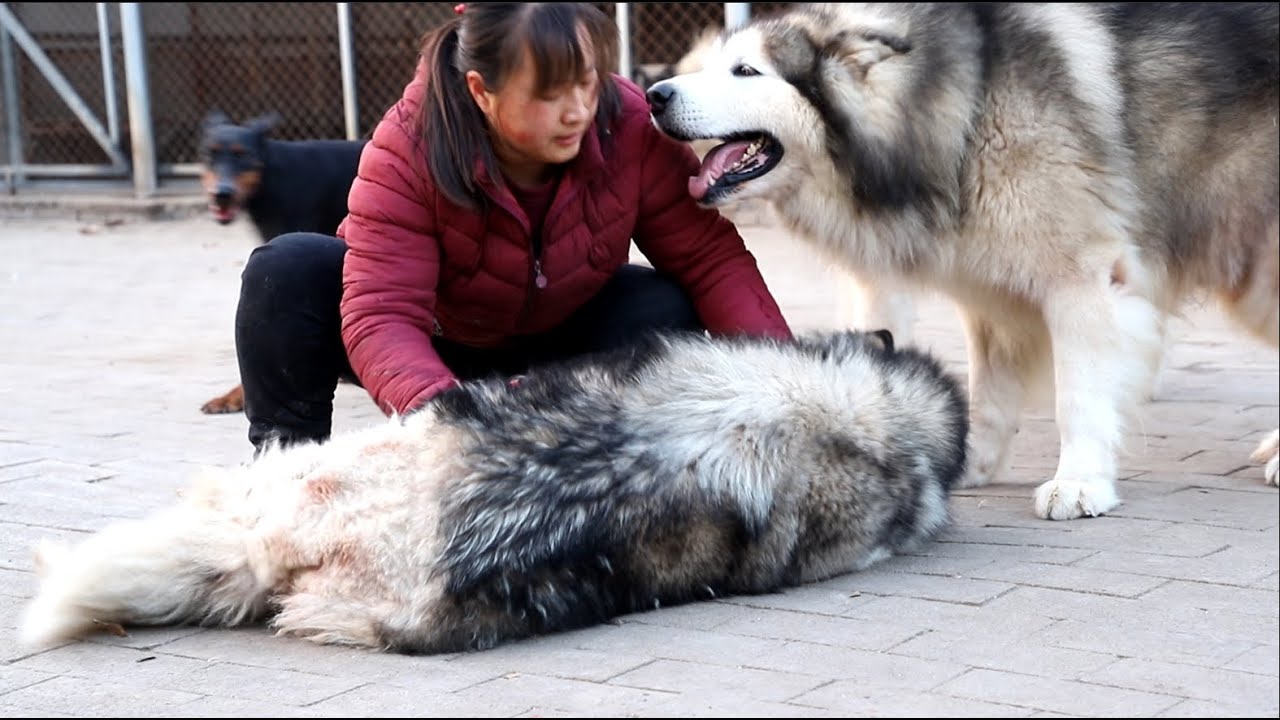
[(714, 165)]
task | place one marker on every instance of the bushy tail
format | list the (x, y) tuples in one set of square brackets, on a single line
[(180, 566)]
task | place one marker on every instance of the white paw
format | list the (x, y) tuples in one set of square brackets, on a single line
[(1269, 452), (973, 477), (1068, 499), (985, 459)]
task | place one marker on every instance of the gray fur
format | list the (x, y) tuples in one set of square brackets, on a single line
[(681, 469)]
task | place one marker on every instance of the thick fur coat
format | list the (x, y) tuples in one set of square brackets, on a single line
[(682, 469)]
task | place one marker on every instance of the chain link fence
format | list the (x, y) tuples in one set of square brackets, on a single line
[(247, 59)]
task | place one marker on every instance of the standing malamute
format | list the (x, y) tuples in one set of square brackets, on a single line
[(683, 469), (1068, 173)]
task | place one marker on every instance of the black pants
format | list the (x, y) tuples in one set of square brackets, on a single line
[(289, 344)]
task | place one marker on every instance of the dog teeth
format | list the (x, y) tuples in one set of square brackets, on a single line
[(747, 158)]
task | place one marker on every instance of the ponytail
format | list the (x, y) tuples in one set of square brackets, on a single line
[(455, 129)]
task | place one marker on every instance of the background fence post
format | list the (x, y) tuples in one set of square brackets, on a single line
[(346, 55), (141, 133), (13, 118), (622, 17), (736, 15)]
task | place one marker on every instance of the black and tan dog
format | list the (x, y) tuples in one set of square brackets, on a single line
[(284, 185)]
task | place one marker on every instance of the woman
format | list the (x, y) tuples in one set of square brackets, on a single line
[(489, 229)]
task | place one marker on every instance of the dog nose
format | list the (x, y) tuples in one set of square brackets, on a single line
[(659, 97), (223, 194)]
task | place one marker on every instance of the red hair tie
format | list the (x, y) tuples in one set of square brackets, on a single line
[(459, 8)]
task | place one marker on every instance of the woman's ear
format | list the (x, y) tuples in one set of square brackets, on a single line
[(475, 85)]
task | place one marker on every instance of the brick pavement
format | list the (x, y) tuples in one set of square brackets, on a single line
[(112, 337)]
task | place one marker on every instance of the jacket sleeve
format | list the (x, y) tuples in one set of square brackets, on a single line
[(698, 246), (391, 271)]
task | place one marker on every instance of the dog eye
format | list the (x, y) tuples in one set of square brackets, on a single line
[(744, 70)]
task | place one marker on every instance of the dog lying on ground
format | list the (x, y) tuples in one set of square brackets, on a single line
[(682, 469), (284, 186), (1069, 174)]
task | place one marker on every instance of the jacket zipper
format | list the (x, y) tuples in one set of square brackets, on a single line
[(537, 280)]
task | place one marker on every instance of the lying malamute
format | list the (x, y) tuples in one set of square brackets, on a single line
[(686, 468), (1069, 174)]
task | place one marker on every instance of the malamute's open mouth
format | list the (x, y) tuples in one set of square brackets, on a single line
[(741, 158)]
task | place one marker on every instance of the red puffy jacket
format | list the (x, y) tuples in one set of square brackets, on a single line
[(418, 265)]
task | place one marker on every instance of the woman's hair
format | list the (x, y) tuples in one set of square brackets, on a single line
[(492, 38)]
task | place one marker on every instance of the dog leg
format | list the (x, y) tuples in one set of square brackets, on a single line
[(232, 401), (1268, 452), (883, 305), (324, 619), (1000, 365), (1106, 346), (1253, 301)]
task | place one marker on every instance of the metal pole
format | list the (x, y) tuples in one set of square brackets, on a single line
[(346, 55), (13, 118), (108, 75), (736, 15), (141, 133), (622, 17)]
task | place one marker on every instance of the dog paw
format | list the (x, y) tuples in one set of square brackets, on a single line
[(973, 477), (1068, 499), (986, 459), (1268, 452), (230, 402)]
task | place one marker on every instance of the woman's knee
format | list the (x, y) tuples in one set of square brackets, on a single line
[(662, 301), (292, 263), (654, 300)]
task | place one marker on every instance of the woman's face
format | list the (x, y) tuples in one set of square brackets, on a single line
[(532, 131)]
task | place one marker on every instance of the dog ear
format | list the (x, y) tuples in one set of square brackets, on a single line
[(216, 117), (886, 339), (265, 123)]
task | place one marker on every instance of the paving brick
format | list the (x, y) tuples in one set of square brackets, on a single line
[(810, 627), (693, 679), (925, 615), (107, 663), (1229, 566), (575, 696), (997, 651), (217, 706), (951, 588), (102, 698), (1021, 553), (1191, 681), (14, 678), (1262, 660), (1201, 644), (861, 699), (1055, 695), (1106, 582), (1204, 709), (555, 656), (21, 711), (724, 703), (376, 700), (1210, 506)]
